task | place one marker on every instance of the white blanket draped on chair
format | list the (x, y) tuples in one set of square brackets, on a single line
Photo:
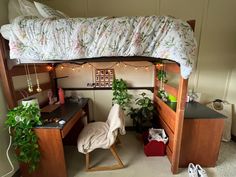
[(102, 134)]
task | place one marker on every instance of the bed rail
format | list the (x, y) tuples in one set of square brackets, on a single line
[(172, 116)]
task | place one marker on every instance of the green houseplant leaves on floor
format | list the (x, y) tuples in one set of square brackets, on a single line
[(143, 115), (21, 120)]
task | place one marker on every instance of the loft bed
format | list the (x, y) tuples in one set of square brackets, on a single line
[(38, 41)]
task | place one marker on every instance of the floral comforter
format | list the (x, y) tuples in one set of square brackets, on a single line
[(31, 38)]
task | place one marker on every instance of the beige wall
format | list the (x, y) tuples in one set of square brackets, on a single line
[(215, 76), (4, 136), (102, 99)]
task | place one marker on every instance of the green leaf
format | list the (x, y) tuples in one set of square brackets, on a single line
[(22, 119)]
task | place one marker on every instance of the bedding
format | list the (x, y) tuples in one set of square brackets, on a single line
[(18, 8), (33, 39), (48, 12)]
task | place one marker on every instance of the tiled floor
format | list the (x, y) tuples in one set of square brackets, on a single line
[(138, 165)]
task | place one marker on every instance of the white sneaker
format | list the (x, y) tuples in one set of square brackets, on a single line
[(192, 170), (201, 171)]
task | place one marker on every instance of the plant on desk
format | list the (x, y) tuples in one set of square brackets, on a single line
[(21, 120), (143, 115)]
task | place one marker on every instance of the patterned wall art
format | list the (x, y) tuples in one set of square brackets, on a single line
[(104, 77)]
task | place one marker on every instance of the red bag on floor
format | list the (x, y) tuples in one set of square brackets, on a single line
[(153, 147)]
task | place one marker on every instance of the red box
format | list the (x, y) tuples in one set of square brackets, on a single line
[(153, 148)]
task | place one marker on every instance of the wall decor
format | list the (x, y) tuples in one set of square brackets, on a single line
[(104, 77)]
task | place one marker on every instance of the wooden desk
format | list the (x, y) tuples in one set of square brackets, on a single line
[(51, 137), (201, 137), (202, 133)]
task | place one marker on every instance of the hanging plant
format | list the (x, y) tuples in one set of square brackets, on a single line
[(163, 95), (162, 77), (21, 120), (120, 93)]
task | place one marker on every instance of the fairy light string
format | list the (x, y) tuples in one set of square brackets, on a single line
[(77, 67)]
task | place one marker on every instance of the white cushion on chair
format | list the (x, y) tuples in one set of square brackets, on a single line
[(102, 134), (94, 135)]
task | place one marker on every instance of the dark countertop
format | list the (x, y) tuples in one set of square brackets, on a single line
[(195, 110), (64, 112)]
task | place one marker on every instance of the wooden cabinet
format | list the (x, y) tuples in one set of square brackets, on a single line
[(201, 141), (201, 135)]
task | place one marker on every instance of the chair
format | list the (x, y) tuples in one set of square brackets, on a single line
[(103, 135)]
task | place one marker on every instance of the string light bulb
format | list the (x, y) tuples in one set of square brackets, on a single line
[(125, 65), (147, 68), (118, 64), (62, 67), (73, 69), (49, 68), (136, 68), (82, 66)]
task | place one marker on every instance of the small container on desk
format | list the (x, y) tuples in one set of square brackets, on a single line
[(153, 147)]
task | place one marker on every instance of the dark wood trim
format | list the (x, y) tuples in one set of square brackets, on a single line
[(192, 23), (106, 88), (7, 84), (20, 70), (44, 86), (70, 124)]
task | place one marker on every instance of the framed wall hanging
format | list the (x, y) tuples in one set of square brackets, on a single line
[(104, 77)]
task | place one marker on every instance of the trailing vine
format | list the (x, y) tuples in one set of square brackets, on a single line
[(21, 120)]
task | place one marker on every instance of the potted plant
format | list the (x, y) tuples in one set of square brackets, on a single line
[(143, 115), (21, 120), (120, 93)]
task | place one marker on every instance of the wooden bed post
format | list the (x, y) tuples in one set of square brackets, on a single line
[(181, 100), (7, 83)]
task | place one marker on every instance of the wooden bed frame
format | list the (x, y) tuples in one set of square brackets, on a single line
[(171, 121)]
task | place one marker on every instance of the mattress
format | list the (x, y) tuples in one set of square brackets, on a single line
[(49, 39)]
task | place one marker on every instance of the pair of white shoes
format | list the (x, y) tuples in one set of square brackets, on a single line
[(196, 171)]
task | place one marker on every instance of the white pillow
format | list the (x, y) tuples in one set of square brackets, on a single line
[(18, 8), (28, 8), (13, 10), (47, 12)]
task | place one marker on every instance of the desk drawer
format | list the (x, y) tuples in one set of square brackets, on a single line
[(71, 123)]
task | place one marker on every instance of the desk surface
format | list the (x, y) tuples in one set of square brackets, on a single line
[(195, 110), (64, 112)]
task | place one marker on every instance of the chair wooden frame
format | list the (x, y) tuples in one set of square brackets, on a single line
[(119, 164)]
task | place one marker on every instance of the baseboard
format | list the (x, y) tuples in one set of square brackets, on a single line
[(17, 173), (233, 138)]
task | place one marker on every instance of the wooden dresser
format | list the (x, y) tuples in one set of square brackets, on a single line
[(201, 136)]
